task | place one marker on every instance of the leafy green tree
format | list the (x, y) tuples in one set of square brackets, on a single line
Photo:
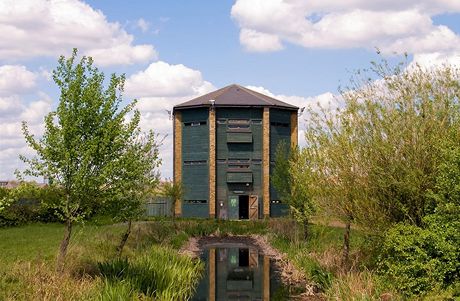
[(139, 169), (293, 184), (86, 144), (374, 156), (174, 191)]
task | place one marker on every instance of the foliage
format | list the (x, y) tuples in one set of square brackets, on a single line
[(160, 274), (90, 145), (174, 191), (28, 202), (418, 260), (293, 183)]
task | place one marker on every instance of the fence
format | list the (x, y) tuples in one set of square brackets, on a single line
[(158, 206)]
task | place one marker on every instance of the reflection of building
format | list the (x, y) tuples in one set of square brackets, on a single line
[(224, 149), (236, 274)]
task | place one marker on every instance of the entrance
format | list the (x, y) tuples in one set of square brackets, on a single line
[(243, 210)]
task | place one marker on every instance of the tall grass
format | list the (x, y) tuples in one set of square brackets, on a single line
[(161, 274)]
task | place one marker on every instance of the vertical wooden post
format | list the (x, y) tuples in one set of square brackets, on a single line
[(266, 161), (266, 275), (294, 129), (212, 162), (177, 156), (212, 274)]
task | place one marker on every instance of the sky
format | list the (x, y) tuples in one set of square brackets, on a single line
[(299, 51)]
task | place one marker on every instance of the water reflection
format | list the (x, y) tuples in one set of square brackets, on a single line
[(236, 273)]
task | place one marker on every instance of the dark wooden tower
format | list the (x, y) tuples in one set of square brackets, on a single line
[(224, 149)]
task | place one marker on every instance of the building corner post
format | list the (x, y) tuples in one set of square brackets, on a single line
[(212, 162), (294, 130), (177, 157), (266, 162)]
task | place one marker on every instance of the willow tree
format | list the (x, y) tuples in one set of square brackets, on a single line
[(293, 183), (87, 146), (374, 158)]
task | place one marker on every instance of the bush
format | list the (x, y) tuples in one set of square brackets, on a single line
[(417, 260)]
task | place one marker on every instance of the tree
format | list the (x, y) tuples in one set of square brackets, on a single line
[(86, 144), (374, 158), (139, 169), (175, 192), (293, 184)]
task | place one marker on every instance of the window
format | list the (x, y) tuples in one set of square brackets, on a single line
[(221, 121), (238, 164), (256, 161), (257, 121), (238, 125), (195, 201), (195, 123), (195, 162)]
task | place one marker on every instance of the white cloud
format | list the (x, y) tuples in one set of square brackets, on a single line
[(16, 79), (391, 26), (161, 79), (324, 100), (258, 41), (14, 110), (158, 88), (143, 25), (53, 27)]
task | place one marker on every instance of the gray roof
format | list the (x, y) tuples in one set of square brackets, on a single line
[(235, 96)]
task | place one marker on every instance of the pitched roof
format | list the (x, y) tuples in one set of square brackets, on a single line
[(235, 96)]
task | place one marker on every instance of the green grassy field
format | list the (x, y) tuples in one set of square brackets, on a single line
[(29, 252)]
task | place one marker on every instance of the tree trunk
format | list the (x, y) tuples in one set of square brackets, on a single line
[(64, 245), (305, 229), (346, 245), (124, 239)]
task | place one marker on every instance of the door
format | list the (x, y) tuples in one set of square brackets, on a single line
[(253, 207), (233, 207)]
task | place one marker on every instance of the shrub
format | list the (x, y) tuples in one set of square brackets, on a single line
[(417, 260)]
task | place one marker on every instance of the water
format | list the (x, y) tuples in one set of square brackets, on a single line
[(238, 272)]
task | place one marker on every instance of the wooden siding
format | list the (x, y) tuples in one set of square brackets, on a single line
[(195, 164)]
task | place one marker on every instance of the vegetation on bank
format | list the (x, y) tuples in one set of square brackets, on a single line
[(385, 159), (149, 268)]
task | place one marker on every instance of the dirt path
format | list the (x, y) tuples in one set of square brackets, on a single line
[(290, 275)]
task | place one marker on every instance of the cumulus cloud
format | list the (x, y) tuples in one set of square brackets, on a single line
[(161, 79), (16, 79), (392, 26), (53, 27), (158, 88), (324, 100), (14, 110)]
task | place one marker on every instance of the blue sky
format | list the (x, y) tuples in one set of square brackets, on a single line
[(299, 51)]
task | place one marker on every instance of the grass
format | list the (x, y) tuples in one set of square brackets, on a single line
[(152, 268)]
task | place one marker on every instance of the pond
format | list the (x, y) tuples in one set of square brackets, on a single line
[(236, 271)]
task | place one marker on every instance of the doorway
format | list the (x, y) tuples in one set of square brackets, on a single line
[(243, 210)]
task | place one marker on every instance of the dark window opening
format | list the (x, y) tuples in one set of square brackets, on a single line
[(195, 201), (221, 121), (195, 162), (195, 123), (257, 121), (238, 121), (239, 166), (237, 161), (243, 208), (257, 161), (243, 257)]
